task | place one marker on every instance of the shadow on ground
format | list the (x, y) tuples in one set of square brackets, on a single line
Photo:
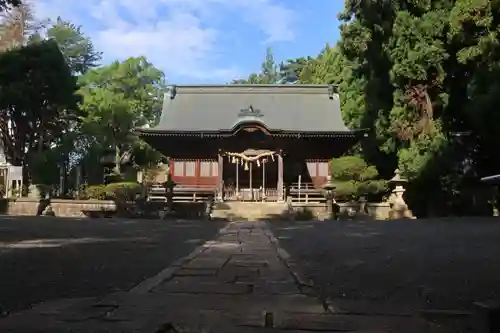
[(44, 258), (398, 265)]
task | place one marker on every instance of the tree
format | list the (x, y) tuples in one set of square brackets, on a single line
[(118, 98), (80, 55), (8, 4), (291, 69), (19, 26), (423, 69), (269, 73), (37, 102), (77, 48), (353, 178)]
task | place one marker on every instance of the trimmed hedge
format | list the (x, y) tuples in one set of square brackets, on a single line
[(96, 192), (123, 191), (126, 191)]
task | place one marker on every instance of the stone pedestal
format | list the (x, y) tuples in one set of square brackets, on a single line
[(49, 211), (169, 196), (362, 206), (399, 208)]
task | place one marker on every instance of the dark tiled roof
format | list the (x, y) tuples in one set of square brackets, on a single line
[(280, 108)]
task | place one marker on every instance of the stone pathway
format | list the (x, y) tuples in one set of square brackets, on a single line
[(241, 282)]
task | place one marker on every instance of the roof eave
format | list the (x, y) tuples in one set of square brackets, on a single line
[(276, 133)]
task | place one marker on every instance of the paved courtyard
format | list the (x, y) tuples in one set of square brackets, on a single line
[(43, 258), (294, 276), (243, 281), (398, 266)]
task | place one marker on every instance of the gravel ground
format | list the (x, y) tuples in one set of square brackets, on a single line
[(43, 258), (419, 264)]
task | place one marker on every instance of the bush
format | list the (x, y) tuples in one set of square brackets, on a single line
[(304, 215), (124, 191), (96, 192), (353, 177)]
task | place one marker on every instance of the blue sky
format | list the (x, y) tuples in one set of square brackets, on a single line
[(202, 41)]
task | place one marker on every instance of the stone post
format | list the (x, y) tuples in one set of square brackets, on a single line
[(329, 188), (362, 206), (169, 193)]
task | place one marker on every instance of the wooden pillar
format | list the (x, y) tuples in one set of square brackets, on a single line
[(237, 179), (263, 180), (220, 164), (280, 176), (250, 180)]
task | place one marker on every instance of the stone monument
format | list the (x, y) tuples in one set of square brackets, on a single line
[(399, 208)]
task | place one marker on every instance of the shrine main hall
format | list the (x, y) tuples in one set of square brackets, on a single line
[(250, 142)]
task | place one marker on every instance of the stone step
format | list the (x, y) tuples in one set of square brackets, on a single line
[(249, 210)]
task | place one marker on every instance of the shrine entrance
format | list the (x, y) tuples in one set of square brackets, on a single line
[(252, 175)]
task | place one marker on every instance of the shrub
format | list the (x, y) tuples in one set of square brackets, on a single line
[(124, 191), (353, 178), (112, 178), (96, 192), (304, 215)]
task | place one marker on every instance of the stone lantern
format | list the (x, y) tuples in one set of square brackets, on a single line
[(329, 191), (399, 208), (169, 192)]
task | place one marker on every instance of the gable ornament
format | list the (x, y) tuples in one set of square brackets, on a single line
[(250, 111)]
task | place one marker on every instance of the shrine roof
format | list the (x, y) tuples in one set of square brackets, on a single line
[(289, 108)]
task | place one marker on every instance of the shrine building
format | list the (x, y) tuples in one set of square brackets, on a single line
[(250, 142)]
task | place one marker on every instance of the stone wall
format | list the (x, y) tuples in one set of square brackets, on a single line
[(61, 207), (77, 208), (378, 211)]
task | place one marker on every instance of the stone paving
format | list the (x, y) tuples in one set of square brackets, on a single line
[(240, 282), (50, 258)]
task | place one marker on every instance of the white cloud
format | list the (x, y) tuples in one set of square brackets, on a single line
[(174, 34)]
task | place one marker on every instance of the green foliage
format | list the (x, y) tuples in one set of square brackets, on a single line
[(77, 49), (124, 191), (353, 177), (288, 71), (116, 99), (38, 99), (291, 69), (413, 72), (96, 192)]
